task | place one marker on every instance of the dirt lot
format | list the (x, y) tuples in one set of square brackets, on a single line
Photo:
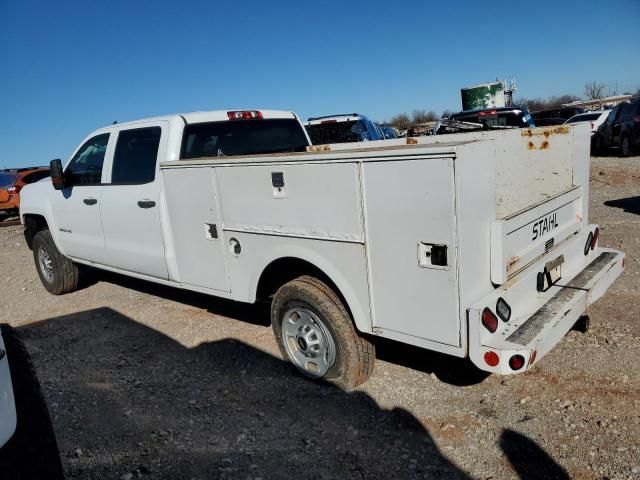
[(148, 382)]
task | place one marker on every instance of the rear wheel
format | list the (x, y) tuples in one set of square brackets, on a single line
[(625, 146), (316, 334), (57, 273)]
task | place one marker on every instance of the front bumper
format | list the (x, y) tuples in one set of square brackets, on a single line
[(536, 329)]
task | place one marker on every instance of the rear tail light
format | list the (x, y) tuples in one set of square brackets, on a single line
[(594, 238), (492, 359), (489, 320), (244, 115), (516, 362)]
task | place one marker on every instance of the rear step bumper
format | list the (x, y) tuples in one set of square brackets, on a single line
[(550, 316)]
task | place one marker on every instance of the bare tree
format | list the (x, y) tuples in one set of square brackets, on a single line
[(400, 121), (446, 114), (538, 104), (594, 90)]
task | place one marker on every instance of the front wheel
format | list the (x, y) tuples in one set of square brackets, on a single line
[(315, 333), (57, 273)]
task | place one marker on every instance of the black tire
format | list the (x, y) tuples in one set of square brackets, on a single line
[(63, 275), (32, 451), (354, 355), (625, 146)]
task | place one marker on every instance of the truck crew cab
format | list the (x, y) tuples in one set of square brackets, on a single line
[(476, 245)]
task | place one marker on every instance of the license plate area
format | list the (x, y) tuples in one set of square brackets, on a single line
[(551, 273)]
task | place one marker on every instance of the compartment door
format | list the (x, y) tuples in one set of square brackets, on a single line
[(410, 222)]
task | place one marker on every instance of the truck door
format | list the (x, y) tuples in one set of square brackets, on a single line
[(76, 208), (411, 250), (130, 204)]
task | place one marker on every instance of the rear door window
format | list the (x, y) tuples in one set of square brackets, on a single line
[(136, 155), (332, 131), (242, 137), (7, 179)]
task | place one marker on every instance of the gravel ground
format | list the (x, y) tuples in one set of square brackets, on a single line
[(145, 381)]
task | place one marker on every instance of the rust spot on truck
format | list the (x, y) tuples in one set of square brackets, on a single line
[(512, 263), (544, 145), (531, 146), (318, 148), (411, 141), (544, 131)]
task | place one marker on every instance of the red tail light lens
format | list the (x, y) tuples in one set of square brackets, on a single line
[(489, 320), (492, 359), (244, 115), (516, 362), (594, 238)]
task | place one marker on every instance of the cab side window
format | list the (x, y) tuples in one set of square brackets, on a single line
[(135, 158), (85, 168)]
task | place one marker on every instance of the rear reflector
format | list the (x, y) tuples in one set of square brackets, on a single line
[(244, 115), (503, 309), (492, 359), (594, 238), (516, 362), (489, 320)]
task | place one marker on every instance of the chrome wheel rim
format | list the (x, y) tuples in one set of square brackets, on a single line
[(308, 342), (46, 264)]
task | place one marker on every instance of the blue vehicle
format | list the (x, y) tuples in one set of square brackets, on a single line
[(342, 128)]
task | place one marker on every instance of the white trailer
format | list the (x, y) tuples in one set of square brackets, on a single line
[(475, 245)]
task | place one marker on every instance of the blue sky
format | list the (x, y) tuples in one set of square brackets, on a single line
[(67, 68)]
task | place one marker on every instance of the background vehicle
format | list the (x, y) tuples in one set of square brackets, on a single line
[(28, 447), (555, 116), (389, 132), (326, 234), (486, 119), (621, 129), (595, 118), (11, 182), (342, 128)]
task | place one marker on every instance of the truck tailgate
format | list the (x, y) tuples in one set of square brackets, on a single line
[(523, 237)]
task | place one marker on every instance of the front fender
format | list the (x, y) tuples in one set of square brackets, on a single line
[(35, 199)]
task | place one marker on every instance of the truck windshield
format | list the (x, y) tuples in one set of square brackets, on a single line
[(250, 137), (7, 179), (338, 132)]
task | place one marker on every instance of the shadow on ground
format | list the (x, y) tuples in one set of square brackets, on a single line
[(630, 204), (452, 370), (128, 399)]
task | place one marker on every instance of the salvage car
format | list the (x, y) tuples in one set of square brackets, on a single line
[(11, 182), (484, 119), (442, 244), (621, 129), (342, 128)]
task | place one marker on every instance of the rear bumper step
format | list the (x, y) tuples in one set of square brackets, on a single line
[(551, 316), (532, 327)]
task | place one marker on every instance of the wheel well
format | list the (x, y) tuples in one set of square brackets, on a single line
[(286, 269), (32, 225)]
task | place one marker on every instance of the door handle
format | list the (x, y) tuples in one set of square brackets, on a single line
[(146, 203), (90, 201)]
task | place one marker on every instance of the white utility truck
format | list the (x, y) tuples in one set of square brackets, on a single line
[(476, 245)]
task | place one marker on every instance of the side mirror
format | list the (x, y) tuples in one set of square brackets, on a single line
[(57, 175)]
